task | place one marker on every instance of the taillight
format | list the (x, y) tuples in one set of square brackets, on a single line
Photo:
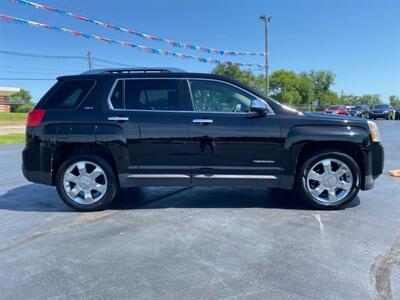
[(35, 117)]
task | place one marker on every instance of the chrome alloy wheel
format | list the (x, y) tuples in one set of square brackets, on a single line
[(329, 181), (85, 182)]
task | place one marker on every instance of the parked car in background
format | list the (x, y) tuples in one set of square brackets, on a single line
[(359, 111), (380, 111), (397, 113), (337, 110)]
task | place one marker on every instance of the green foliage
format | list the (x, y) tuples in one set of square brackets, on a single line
[(370, 100), (24, 108), (283, 86), (394, 101), (322, 82), (245, 76), (13, 138), (303, 89), (21, 101), (12, 117)]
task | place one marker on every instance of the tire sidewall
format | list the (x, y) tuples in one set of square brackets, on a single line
[(111, 182), (311, 161)]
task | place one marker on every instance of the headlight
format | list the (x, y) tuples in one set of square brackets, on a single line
[(375, 134)]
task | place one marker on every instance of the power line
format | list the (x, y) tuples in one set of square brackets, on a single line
[(29, 72), (14, 67), (112, 62), (73, 57), (41, 55)]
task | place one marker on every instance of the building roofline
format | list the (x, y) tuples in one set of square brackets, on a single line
[(8, 91)]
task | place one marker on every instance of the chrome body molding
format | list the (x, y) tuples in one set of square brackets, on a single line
[(233, 176), (159, 176)]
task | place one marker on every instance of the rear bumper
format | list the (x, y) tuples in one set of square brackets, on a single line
[(37, 176), (36, 165), (373, 165)]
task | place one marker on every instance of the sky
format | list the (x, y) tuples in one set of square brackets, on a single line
[(358, 40)]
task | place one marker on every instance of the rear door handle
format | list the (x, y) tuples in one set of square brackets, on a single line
[(202, 121), (118, 118)]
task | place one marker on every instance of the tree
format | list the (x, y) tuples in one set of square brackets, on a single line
[(370, 99), (305, 88), (245, 76), (300, 90), (284, 87), (394, 101), (21, 101), (328, 98), (322, 82)]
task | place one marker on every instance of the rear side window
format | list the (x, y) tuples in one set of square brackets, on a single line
[(146, 94), (69, 94)]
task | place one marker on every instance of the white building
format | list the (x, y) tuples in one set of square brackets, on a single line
[(5, 92)]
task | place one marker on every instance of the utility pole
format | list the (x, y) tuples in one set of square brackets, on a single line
[(250, 78), (266, 20), (89, 59)]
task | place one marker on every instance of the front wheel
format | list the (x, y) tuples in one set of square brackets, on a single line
[(328, 179), (86, 182)]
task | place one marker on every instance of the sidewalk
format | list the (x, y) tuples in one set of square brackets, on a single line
[(12, 129)]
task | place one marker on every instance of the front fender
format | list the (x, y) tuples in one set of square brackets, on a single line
[(330, 136), (303, 134)]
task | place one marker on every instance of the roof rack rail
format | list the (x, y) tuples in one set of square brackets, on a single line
[(133, 70)]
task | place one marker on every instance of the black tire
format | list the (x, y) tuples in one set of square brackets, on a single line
[(112, 183), (310, 161)]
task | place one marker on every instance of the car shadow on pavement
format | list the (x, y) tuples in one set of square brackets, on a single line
[(215, 197), (34, 197)]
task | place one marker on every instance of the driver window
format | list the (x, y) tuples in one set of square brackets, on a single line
[(214, 96)]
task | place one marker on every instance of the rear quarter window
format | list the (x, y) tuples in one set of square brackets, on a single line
[(69, 94)]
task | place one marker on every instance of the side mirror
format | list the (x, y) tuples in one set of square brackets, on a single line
[(258, 106)]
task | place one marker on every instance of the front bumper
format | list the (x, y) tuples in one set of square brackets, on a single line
[(378, 115), (374, 158)]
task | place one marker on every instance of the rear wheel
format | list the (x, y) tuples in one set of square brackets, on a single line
[(86, 182), (328, 179)]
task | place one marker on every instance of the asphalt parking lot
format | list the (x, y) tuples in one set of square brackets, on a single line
[(191, 243)]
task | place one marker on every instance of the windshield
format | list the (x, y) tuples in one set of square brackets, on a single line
[(358, 107), (381, 106)]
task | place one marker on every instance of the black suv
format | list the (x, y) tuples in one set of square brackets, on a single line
[(380, 111), (94, 133)]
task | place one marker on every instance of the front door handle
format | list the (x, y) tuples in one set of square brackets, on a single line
[(118, 118), (202, 121)]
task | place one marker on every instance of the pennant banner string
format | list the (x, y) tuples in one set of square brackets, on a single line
[(171, 42), (146, 49)]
